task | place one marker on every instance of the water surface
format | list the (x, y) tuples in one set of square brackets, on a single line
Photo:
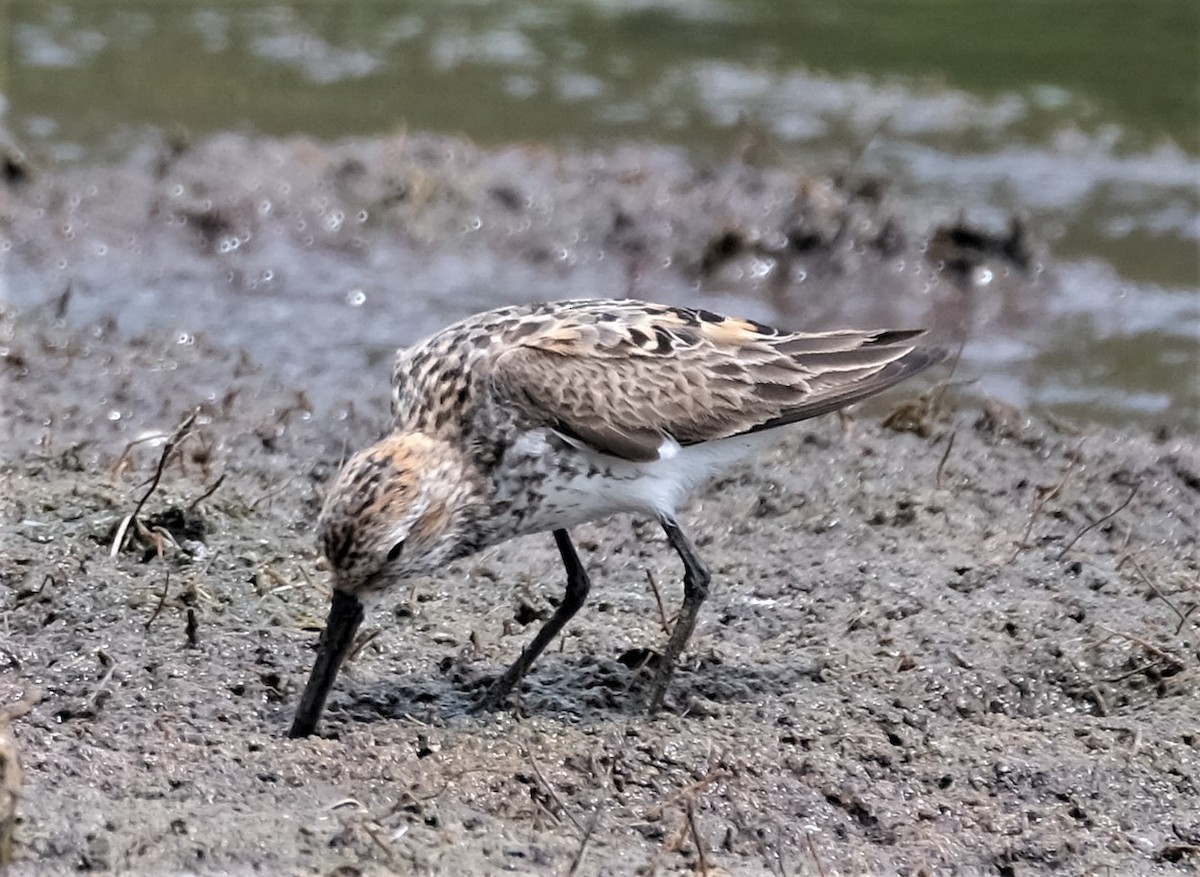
[(1083, 118)]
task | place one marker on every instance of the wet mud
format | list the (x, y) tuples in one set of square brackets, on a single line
[(944, 635)]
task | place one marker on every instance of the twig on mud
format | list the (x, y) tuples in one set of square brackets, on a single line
[(363, 641), (276, 579), (687, 795), (770, 844), (537, 771), (208, 563), (123, 460), (202, 497), (937, 476), (690, 791), (99, 695), (662, 612), (1136, 671), (308, 581), (1039, 505), (1096, 523), (1124, 546), (945, 384), (158, 536), (162, 598), (671, 845), (181, 432), (1149, 584), (272, 492), (1158, 651), (378, 841), (24, 596), (446, 782), (701, 859), (587, 836)]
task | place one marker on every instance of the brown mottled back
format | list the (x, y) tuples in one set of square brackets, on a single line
[(621, 375)]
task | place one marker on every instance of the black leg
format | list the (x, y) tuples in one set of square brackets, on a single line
[(695, 588), (345, 615), (578, 585)]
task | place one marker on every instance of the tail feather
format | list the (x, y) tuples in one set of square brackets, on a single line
[(914, 362)]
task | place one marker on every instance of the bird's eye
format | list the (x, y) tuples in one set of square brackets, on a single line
[(395, 552)]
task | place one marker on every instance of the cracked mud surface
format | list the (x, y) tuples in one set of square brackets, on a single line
[(918, 656)]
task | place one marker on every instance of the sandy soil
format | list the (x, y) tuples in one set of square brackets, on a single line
[(968, 648)]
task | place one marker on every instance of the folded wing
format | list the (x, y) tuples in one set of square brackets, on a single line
[(621, 376)]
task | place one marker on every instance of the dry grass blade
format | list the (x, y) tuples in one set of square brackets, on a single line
[(537, 771), (1161, 654), (937, 476), (275, 491), (181, 432), (364, 640), (213, 489), (1039, 505), (691, 790), (945, 384), (162, 599), (1096, 523), (587, 836), (1183, 617)]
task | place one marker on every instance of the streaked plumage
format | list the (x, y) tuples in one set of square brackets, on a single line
[(536, 418)]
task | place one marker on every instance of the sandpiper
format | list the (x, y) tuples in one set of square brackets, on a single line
[(542, 417)]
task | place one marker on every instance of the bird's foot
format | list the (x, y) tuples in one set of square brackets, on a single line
[(495, 696), (658, 688)]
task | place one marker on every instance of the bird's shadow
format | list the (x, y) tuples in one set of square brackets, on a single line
[(587, 687)]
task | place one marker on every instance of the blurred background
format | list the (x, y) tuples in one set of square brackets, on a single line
[(1081, 118)]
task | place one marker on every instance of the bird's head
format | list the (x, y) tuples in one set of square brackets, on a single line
[(397, 509)]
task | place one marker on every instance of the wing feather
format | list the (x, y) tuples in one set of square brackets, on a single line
[(622, 376)]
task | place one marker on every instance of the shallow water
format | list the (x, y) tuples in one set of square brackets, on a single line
[(1081, 118)]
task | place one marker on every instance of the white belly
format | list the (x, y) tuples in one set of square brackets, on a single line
[(588, 485)]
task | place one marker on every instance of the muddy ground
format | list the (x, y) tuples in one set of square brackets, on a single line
[(965, 647)]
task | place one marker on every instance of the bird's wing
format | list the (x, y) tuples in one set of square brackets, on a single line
[(622, 376)]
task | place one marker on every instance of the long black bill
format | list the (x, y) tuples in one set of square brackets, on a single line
[(345, 615)]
